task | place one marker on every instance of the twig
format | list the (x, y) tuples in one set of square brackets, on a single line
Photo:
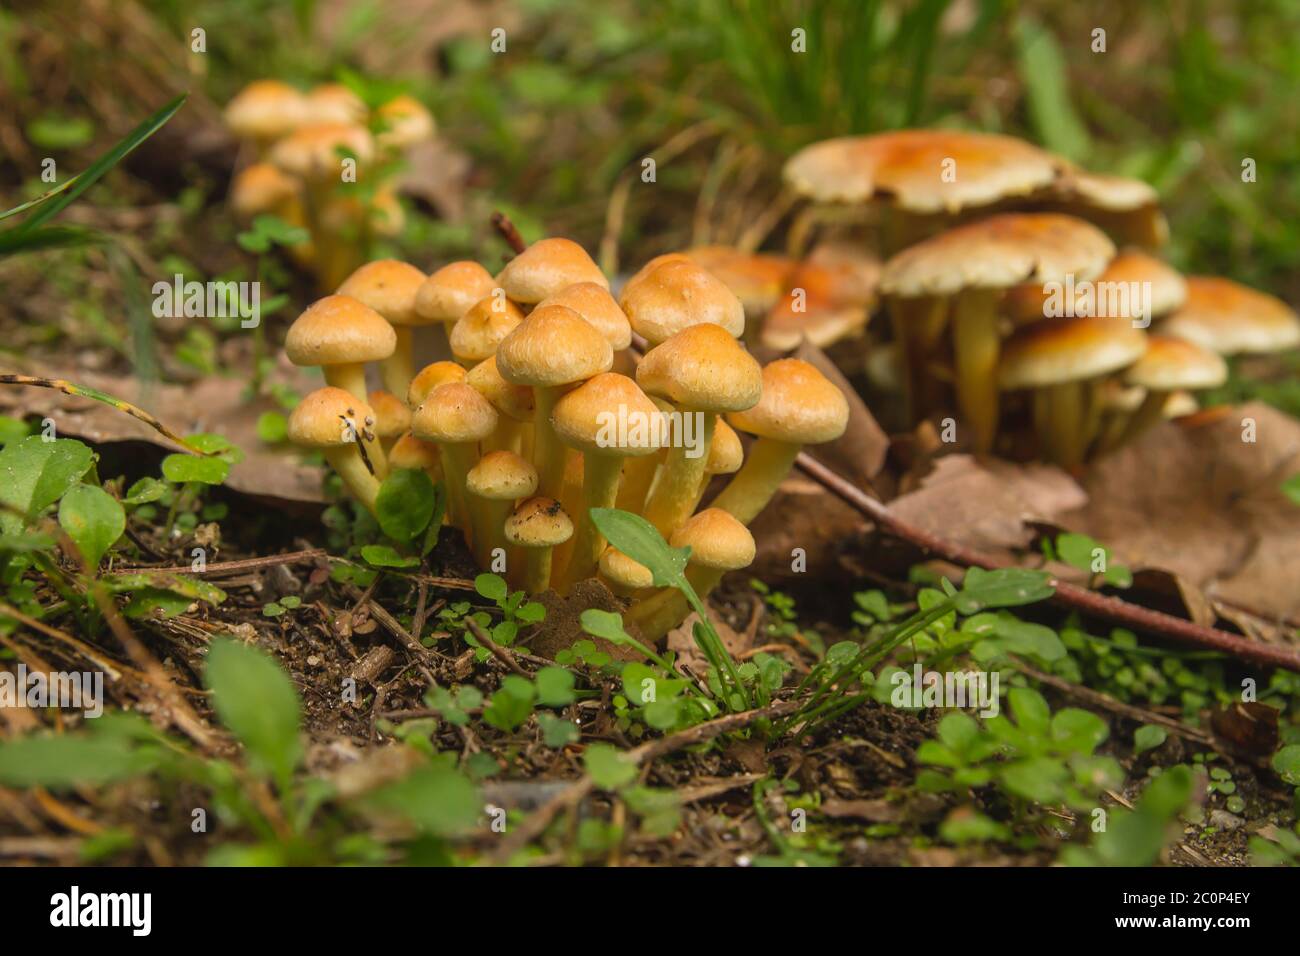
[(1110, 608), (508, 232), (577, 791), (499, 652), (225, 567)]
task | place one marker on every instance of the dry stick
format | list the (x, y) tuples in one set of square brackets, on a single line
[(508, 232), (1113, 609), (577, 791), (225, 567), (499, 652)]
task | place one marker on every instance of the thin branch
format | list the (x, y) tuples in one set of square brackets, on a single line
[(499, 652)]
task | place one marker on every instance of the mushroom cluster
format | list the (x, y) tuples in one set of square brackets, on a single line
[(549, 411), (1019, 289), (300, 145)]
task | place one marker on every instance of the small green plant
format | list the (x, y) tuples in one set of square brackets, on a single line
[(1136, 837), (1087, 554)]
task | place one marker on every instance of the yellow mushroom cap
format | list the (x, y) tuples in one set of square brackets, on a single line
[(1230, 318), (502, 476), (799, 405), (1056, 351), (312, 152), (477, 334), (717, 540), (404, 122), (553, 346), (907, 168), (547, 267), (726, 454), (513, 401), (756, 279), (997, 253), (1104, 191), (587, 418), (260, 188), (450, 291), (430, 377), (677, 295), (1168, 290), (454, 413), (825, 302), (1170, 364), (594, 303), (412, 452), (392, 417), (265, 109), (641, 274), (702, 368), (334, 103), (539, 523), (622, 570), (387, 286), (339, 330), (328, 418)]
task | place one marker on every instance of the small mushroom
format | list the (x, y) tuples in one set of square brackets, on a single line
[(456, 418), (597, 307), (1232, 319), (403, 123), (264, 111), (392, 418), (623, 575), (799, 406), (341, 335), (450, 291), (538, 525), (415, 453), (675, 295), (477, 334), (389, 287), (1167, 367), (514, 403), (546, 268), (726, 455), (339, 424), (500, 479), (430, 377)]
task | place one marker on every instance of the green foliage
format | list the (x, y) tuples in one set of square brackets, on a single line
[(254, 698), (268, 231), (438, 800), (1148, 737), (1087, 554), (610, 768), (1136, 837), (35, 473), (93, 519)]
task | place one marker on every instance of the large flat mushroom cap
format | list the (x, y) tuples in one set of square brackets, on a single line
[(1168, 290), (1104, 191), (799, 405), (455, 414), (389, 287), (997, 253), (717, 540), (593, 302), (1229, 318), (1170, 364), (586, 418), (547, 267), (907, 168), (838, 294), (339, 330), (449, 292), (553, 346), (676, 295), (702, 368), (328, 418), (1057, 351), (477, 334)]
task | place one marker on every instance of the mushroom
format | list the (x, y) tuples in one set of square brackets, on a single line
[(547, 267), (537, 526), (334, 103), (973, 265), (703, 371), (799, 406), (624, 576), (822, 304), (264, 111), (389, 287), (392, 418), (607, 418), (726, 455), (1063, 361), (719, 543), (341, 335), (430, 377), (756, 279), (1168, 366), (1127, 209), (339, 424), (1160, 290), (500, 478), (403, 123), (638, 277), (676, 295), (456, 418), (418, 454), (478, 332), (1232, 319), (262, 188), (552, 348), (593, 302), (449, 292), (513, 402)]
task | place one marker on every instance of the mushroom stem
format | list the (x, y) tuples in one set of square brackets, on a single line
[(537, 569), (918, 326), (759, 477), (457, 459), (398, 369), (548, 453), (492, 535), (665, 609), (638, 476), (361, 484), (1149, 414), (351, 377), (599, 490), (1066, 419), (673, 495), (975, 353)]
